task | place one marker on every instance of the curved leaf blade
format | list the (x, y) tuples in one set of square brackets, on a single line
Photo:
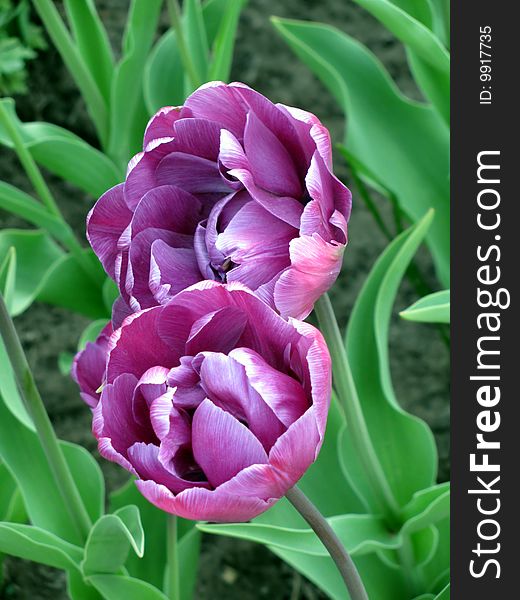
[(433, 308)]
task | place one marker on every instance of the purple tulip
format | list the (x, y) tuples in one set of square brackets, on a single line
[(230, 187), (88, 368), (214, 402)]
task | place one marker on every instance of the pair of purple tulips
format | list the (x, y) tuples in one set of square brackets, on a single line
[(229, 226)]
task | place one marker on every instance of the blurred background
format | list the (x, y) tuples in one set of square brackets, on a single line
[(32, 72)]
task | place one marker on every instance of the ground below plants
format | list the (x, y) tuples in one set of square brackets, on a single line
[(229, 570)]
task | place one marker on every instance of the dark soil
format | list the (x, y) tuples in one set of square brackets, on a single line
[(229, 570)]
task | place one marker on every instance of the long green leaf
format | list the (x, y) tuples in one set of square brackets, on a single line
[(196, 37), (118, 587), (65, 154), (21, 452), (126, 93), (222, 53), (434, 308), (8, 278), (92, 42), (396, 435), (361, 534), (38, 545), (405, 143), (430, 61)]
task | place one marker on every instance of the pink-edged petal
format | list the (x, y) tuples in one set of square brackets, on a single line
[(233, 158), (222, 446), (276, 120), (137, 345), (106, 222), (226, 383), (161, 124), (217, 102), (114, 418), (171, 270), (199, 137), (204, 505), (151, 385), (270, 236), (329, 195), (144, 458), (167, 207), (193, 174), (140, 177), (317, 361), (218, 331), (283, 394), (258, 481), (297, 448), (271, 164), (315, 265)]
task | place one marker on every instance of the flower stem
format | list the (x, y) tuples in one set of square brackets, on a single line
[(358, 430), (176, 21), (36, 409), (173, 590), (330, 540), (67, 236)]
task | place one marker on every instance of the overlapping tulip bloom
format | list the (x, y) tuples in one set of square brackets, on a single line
[(232, 188), (215, 402)]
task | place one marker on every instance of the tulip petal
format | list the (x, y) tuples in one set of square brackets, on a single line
[(271, 164), (222, 446), (199, 137), (171, 270), (144, 458), (204, 505), (225, 382), (216, 101), (161, 124), (218, 331), (169, 208), (283, 394), (315, 265), (106, 222), (193, 174)]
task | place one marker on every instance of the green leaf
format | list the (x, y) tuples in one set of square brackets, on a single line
[(22, 454), (38, 545), (110, 540), (361, 534), (64, 154), (445, 594), (163, 77), (21, 204), (7, 278), (118, 587), (9, 390), (430, 61), (12, 508), (91, 332), (382, 581), (126, 93), (433, 308), (92, 42), (67, 285), (189, 551), (404, 142), (396, 435), (65, 360), (110, 293), (36, 253), (222, 54), (196, 38), (151, 567)]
